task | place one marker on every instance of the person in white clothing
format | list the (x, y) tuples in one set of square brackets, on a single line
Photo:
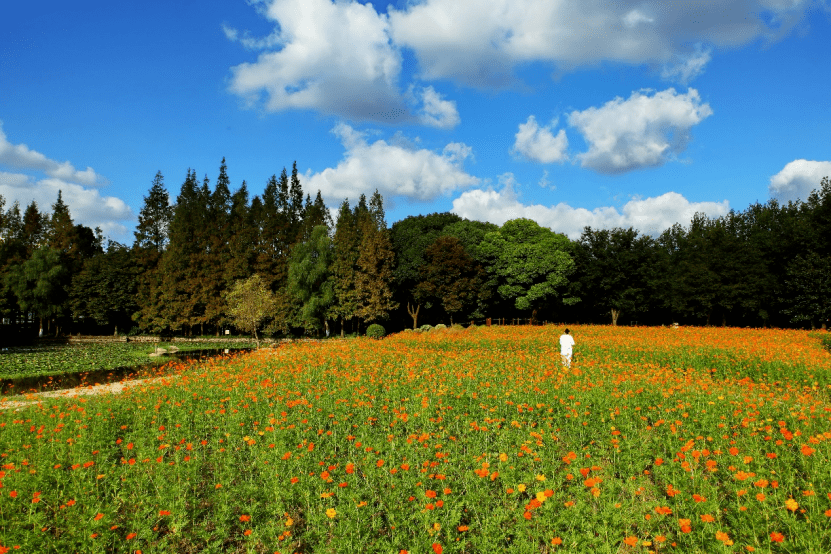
[(566, 346)]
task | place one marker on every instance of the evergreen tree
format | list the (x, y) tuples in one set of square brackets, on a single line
[(241, 237), (151, 241), (34, 230), (154, 218), (346, 246), (217, 255), (310, 280)]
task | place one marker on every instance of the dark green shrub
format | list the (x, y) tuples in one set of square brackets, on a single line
[(375, 331)]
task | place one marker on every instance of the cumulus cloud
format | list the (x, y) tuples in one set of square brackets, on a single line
[(334, 57), (642, 131), (478, 42), (435, 111), (539, 144), (394, 168), (21, 157), (798, 179), (86, 205), (649, 215)]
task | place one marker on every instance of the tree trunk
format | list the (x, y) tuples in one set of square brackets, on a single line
[(414, 314), (615, 315), (724, 319), (342, 323)]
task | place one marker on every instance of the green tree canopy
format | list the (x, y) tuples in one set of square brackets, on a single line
[(529, 263), (310, 280)]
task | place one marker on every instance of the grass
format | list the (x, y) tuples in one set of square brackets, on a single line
[(656, 440)]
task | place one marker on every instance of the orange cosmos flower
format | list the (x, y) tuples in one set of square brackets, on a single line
[(791, 504), (556, 541), (437, 549), (631, 541), (777, 537), (244, 518)]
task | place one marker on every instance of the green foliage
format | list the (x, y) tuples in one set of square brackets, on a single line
[(808, 289), (614, 270), (154, 217), (39, 283), (250, 302), (310, 282), (376, 331), (528, 263), (440, 326), (425, 328)]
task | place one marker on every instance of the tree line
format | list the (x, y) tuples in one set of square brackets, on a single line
[(769, 265)]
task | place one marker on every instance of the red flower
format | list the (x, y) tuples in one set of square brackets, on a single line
[(245, 518), (777, 537), (437, 548)]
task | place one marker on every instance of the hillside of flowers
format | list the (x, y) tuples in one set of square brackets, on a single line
[(477, 440)]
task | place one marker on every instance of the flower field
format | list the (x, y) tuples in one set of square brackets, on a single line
[(656, 440)]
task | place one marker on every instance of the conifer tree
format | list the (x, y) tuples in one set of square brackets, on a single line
[(345, 244), (310, 280), (151, 240), (217, 255), (154, 218), (373, 281)]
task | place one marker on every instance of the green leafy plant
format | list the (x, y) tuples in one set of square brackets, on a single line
[(376, 331)]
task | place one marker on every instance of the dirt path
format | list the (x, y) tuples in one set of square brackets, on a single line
[(21, 401)]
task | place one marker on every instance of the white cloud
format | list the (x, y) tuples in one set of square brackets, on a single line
[(435, 111), (86, 205), (642, 131), (539, 143), (394, 169), (650, 215), (334, 57), (478, 42), (798, 179), (21, 157), (687, 66)]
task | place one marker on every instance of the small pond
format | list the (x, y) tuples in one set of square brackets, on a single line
[(43, 383)]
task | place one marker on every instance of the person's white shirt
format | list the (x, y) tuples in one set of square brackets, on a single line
[(566, 343)]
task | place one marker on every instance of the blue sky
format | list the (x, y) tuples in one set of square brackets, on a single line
[(570, 113)]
